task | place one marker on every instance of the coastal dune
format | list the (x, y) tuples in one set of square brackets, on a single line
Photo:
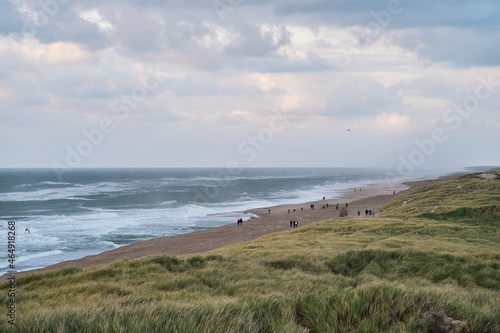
[(428, 261), (269, 220)]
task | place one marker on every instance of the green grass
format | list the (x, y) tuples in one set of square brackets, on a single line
[(431, 264)]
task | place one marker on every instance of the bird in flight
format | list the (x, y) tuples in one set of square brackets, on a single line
[(348, 130)]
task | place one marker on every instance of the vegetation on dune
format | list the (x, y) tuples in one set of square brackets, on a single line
[(429, 263), (463, 198)]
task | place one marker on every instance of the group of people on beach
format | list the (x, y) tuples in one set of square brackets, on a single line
[(295, 224), (337, 206), (368, 212)]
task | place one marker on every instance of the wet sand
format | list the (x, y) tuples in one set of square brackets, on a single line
[(270, 220)]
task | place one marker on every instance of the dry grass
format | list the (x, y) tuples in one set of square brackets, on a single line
[(401, 272)]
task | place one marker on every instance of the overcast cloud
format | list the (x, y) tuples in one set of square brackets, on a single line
[(260, 83)]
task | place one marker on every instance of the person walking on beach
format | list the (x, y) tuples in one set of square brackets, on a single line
[(366, 212), (296, 224), (291, 223), (359, 212), (346, 205), (337, 207)]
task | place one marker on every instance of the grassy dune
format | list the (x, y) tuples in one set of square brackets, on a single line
[(430, 262)]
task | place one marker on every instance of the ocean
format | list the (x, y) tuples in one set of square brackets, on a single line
[(89, 211)]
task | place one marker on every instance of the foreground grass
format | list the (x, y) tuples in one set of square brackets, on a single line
[(429, 263)]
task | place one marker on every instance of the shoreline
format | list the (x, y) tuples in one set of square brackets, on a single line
[(369, 197)]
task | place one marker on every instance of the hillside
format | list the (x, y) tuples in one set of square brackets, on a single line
[(430, 262)]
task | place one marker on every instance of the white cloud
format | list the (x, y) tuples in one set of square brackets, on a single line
[(67, 53), (216, 37), (57, 53), (93, 16), (392, 123), (221, 80)]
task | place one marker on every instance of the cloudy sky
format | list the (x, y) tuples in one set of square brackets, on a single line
[(413, 84)]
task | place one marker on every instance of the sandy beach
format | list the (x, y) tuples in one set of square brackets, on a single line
[(270, 220)]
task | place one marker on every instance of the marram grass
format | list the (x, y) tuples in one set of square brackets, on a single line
[(429, 263)]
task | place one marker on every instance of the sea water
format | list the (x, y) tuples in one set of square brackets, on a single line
[(88, 211)]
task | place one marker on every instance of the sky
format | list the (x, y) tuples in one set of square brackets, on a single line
[(250, 83)]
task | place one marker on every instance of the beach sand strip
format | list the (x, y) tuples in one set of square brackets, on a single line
[(270, 220)]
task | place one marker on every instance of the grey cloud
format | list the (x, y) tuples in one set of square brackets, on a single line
[(359, 97), (458, 47), (253, 43), (280, 64), (10, 22), (428, 87), (146, 28), (407, 13), (85, 82), (135, 28), (60, 23), (205, 85), (462, 33)]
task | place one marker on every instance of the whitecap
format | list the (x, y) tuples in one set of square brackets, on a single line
[(23, 258)]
